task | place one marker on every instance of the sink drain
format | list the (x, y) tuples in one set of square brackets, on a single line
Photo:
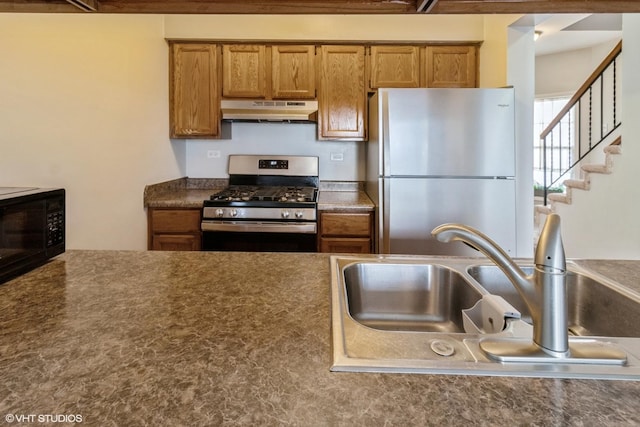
[(442, 348)]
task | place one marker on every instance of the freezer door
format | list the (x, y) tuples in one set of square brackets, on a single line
[(413, 207), (448, 132)]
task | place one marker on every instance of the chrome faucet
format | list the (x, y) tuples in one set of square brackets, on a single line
[(544, 291)]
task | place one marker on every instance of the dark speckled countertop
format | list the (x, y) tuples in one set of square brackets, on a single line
[(191, 192), (182, 192), (126, 338)]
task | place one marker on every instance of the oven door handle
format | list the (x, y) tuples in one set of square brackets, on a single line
[(260, 227)]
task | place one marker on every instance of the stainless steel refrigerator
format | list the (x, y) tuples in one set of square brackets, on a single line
[(441, 155)]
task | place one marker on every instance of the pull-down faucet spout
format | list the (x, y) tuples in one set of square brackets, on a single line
[(544, 291)]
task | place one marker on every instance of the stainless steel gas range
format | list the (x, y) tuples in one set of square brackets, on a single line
[(270, 205)]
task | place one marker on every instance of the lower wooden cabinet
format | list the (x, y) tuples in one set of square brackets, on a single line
[(346, 232), (174, 229)]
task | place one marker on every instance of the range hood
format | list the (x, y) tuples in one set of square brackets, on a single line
[(270, 110)]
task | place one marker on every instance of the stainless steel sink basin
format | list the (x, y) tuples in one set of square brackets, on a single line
[(409, 297), (394, 313), (595, 308)]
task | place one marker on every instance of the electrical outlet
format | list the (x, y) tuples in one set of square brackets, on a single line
[(213, 154), (337, 157)]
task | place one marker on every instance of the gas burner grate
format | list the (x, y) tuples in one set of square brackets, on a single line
[(284, 194)]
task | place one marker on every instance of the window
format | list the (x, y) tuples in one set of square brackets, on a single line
[(560, 155)]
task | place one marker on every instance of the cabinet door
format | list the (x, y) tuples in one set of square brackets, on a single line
[(395, 66), (345, 232), (293, 71), (342, 98), (452, 66), (174, 229), (244, 71), (345, 245), (194, 95)]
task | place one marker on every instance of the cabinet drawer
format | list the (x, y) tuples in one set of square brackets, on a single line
[(175, 220), (345, 224)]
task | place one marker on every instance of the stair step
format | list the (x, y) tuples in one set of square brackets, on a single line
[(544, 209), (559, 197), (582, 184), (613, 149), (596, 169)]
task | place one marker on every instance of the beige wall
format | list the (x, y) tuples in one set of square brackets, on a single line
[(563, 73), (326, 27), (83, 101), (83, 105)]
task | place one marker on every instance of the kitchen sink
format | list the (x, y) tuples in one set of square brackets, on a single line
[(409, 297), (401, 313), (595, 308)]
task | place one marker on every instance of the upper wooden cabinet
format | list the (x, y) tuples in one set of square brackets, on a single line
[(452, 66), (394, 66), (268, 72), (194, 92), (338, 75), (244, 71), (293, 71), (342, 98)]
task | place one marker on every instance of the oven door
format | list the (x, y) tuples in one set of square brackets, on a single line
[(259, 236)]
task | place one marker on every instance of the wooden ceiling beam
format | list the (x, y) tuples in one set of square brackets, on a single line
[(285, 7), (535, 6), (26, 6), (310, 7)]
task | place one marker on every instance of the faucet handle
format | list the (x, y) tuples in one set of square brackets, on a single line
[(550, 251)]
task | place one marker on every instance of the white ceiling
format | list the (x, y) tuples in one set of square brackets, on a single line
[(565, 32)]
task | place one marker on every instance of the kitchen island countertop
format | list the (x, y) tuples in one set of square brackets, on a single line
[(212, 338)]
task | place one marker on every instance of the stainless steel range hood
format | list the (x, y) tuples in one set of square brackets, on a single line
[(270, 110)]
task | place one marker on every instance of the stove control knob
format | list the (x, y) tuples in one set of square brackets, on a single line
[(299, 214), (234, 212), (219, 213), (285, 214)]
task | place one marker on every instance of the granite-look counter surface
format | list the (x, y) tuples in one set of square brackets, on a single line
[(127, 338), (344, 196), (344, 201), (191, 192), (182, 192)]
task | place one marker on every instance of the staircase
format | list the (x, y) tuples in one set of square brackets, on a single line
[(589, 119), (584, 183)]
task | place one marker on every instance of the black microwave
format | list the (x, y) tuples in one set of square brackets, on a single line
[(32, 228)]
